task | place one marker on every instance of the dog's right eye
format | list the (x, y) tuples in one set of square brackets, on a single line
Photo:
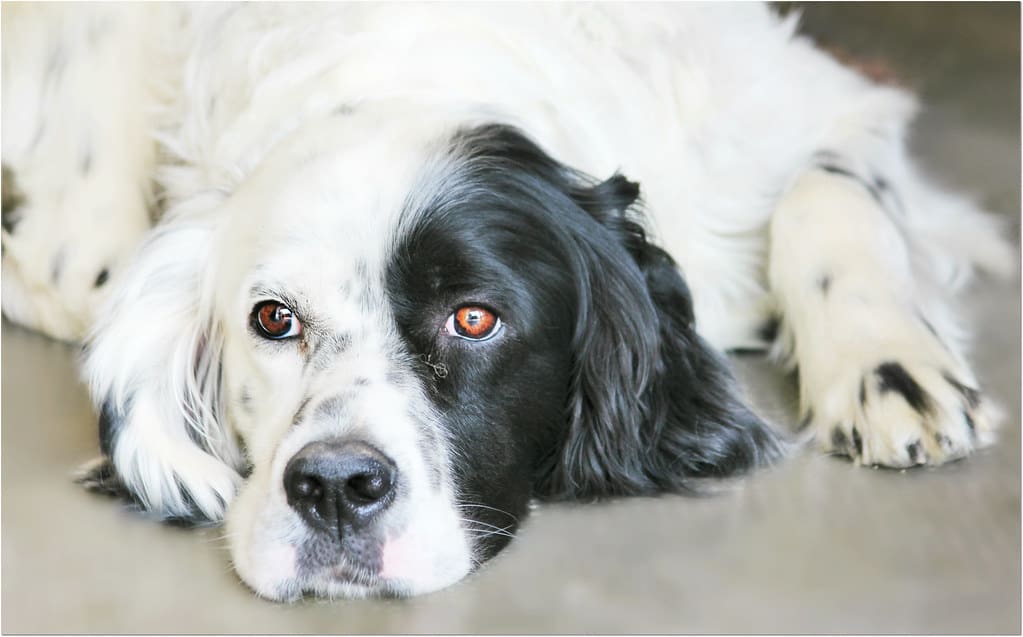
[(275, 320)]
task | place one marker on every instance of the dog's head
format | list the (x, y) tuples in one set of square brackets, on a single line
[(400, 338)]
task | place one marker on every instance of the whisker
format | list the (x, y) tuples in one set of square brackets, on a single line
[(483, 506)]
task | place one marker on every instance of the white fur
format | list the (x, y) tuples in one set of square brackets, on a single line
[(717, 110)]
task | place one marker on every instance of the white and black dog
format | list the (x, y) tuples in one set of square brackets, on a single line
[(405, 282)]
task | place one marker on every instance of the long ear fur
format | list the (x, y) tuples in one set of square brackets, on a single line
[(652, 405), (153, 367)]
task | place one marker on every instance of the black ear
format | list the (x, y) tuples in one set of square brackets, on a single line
[(652, 406)]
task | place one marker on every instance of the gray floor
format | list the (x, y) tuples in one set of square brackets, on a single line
[(816, 545)]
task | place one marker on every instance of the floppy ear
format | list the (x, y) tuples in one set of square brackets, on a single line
[(153, 367), (652, 406)]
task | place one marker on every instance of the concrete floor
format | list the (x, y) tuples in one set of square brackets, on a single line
[(815, 545)]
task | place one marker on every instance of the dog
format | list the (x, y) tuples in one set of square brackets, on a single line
[(416, 266)]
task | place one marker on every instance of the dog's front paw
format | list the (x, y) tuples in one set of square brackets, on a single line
[(902, 414)]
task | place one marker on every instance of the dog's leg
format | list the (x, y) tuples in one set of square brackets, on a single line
[(78, 157), (877, 380)]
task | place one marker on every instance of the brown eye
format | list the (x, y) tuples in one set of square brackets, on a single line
[(275, 320), (473, 323)]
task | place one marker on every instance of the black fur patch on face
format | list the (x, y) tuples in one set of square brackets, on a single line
[(598, 385), (12, 200), (894, 377)]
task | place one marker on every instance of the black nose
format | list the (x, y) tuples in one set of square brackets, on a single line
[(336, 485)]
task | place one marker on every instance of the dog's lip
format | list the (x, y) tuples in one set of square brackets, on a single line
[(354, 574), (358, 579)]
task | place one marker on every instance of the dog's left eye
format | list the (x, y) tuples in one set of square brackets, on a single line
[(275, 320), (473, 323)]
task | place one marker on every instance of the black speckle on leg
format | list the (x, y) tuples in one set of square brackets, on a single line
[(857, 441), (869, 184), (969, 422), (894, 377), (85, 161), (102, 478), (344, 109), (38, 137), (11, 201), (838, 440), (56, 63), (863, 392), (943, 441), (57, 266), (110, 423), (101, 278), (915, 452), (807, 419), (824, 283), (970, 395)]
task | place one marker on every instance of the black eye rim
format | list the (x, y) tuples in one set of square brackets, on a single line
[(451, 326), (257, 325)]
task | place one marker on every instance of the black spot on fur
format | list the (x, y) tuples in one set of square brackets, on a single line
[(871, 187), (344, 109), (930, 328), (101, 278), (883, 187), (769, 330), (839, 440), (857, 441), (969, 394), (807, 419), (824, 283), (103, 479), (245, 399), (863, 392), (38, 137), (57, 266), (85, 162), (894, 377), (11, 202), (915, 451), (969, 422), (109, 426), (56, 63)]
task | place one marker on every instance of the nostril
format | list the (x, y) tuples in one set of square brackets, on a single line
[(368, 487), (308, 488)]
